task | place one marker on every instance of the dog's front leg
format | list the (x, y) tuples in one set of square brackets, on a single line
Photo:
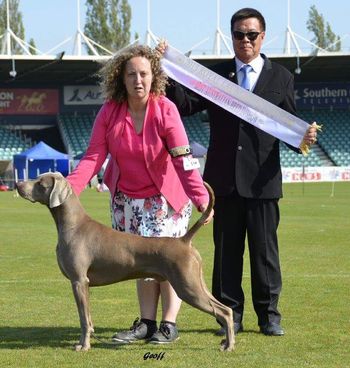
[(81, 295)]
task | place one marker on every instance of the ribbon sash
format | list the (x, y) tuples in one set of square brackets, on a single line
[(231, 97)]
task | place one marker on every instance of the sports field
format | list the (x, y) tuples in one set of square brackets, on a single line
[(39, 322)]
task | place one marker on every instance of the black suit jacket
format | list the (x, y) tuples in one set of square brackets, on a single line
[(241, 157)]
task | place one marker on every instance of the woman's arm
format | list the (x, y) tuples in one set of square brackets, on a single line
[(176, 140), (94, 157)]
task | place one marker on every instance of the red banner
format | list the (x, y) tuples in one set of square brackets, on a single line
[(28, 101), (315, 174)]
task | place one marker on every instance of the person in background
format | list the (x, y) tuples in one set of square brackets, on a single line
[(243, 167), (150, 173)]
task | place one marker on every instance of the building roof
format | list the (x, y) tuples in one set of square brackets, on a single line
[(72, 70)]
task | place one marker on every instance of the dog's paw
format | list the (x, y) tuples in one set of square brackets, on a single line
[(225, 346), (80, 347)]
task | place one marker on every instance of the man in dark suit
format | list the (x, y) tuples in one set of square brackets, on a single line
[(243, 167)]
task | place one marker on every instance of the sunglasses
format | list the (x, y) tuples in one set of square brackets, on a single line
[(252, 36)]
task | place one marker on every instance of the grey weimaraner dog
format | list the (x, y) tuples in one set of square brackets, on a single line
[(92, 254)]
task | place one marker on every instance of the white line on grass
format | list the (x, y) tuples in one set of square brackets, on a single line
[(36, 281), (315, 275), (300, 276)]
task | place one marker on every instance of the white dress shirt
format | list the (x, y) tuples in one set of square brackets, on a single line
[(256, 64)]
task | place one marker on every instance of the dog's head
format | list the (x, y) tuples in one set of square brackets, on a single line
[(51, 189)]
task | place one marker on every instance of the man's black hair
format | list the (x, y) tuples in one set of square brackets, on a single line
[(248, 13)]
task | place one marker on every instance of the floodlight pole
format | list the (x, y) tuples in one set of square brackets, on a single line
[(8, 34), (150, 36), (81, 37), (290, 36), (78, 35), (219, 35), (287, 39)]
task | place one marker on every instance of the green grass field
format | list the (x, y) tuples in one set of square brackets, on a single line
[(39, 322)]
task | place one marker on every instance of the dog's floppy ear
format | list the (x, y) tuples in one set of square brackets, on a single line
[(60, 191)]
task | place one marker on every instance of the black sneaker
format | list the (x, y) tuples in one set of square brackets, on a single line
[(138, 331), (166, 334)]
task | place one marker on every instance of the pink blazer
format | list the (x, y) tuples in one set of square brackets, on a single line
[(162, 131)]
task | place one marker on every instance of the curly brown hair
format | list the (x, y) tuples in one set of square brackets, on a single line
[(112, 73)]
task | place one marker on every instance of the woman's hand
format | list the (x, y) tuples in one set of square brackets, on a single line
[(202, 209)]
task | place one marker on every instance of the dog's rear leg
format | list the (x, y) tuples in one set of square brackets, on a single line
[(81, 295), (193, 291)]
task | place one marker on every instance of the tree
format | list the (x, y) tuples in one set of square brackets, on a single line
[(16, 23), (324, 36), (108, 23), (32, 46)]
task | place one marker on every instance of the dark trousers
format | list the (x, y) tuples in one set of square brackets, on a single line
[(235, 218)]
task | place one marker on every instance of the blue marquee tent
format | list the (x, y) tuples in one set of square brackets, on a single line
[(198, 150), (40, 159)]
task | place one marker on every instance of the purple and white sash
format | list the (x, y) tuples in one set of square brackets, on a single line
[(231, 97)]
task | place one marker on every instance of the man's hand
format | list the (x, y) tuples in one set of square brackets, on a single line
[(310, 136), (161, 47)]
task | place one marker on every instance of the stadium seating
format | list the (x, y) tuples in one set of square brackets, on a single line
[(333, 146), (197, 129), (75, 130), (335, 136), (10, 144), (333, 142), (289, 158)]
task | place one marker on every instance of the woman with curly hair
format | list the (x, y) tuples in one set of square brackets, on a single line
[(149, 174)]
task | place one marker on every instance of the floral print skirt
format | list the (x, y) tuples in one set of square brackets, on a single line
[(151, 216)]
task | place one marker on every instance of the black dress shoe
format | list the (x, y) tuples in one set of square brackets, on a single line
[(272, 329), (237, 327)]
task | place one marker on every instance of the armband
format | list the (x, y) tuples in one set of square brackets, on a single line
[(180, 151)]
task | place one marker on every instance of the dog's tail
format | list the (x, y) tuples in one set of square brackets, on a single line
[(200, 222)]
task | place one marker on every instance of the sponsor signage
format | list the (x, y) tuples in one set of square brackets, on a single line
[(82, 95), (307, 95), (28, 101), (315, 174), (322, 95)]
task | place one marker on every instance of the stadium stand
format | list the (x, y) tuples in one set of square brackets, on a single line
[(72, 101), (11, 144), (291, 159), (333, 146), (54, 98), (75, 130), (197, 128), (335, 136)]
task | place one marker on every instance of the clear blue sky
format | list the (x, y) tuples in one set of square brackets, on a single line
[(184, 23)]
